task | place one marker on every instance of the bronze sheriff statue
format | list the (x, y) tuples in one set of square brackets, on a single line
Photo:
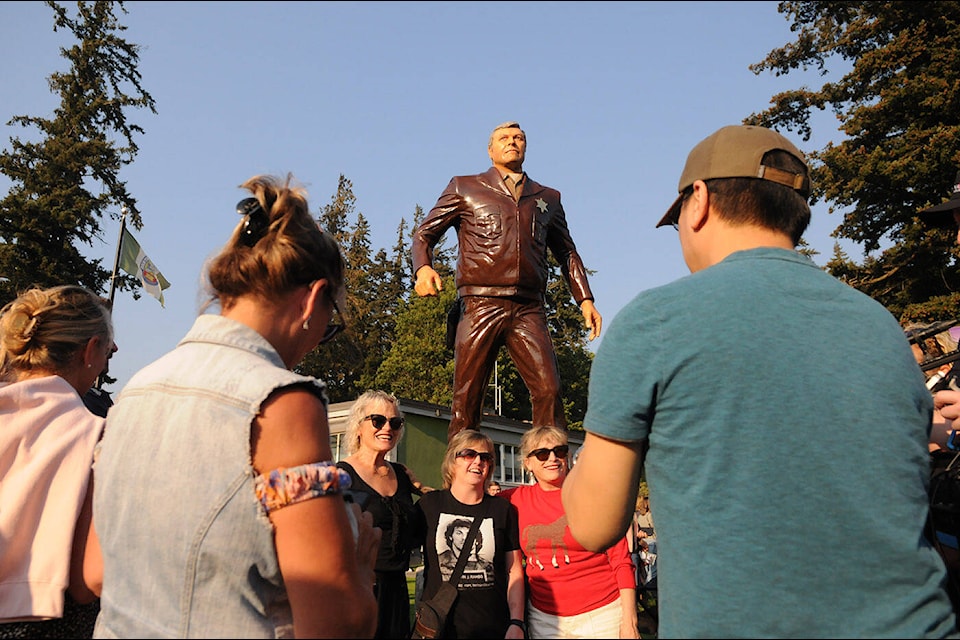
[(505, 222)]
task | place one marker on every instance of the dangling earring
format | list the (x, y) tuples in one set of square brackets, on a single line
[(306, 323)]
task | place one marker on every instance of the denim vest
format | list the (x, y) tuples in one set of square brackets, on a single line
[(188, 550)]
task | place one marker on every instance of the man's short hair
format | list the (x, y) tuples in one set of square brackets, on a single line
[(755, 175), (461, 523), (740, 151), (510, 124)]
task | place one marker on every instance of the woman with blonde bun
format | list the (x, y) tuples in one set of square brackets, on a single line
[(218, 506), (53, 344)]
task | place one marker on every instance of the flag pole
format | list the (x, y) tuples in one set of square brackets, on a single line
[(113, 277), (116, 258)]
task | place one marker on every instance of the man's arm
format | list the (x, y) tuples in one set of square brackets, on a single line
[(600, 493)]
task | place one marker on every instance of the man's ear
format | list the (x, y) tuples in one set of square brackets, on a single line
[(698, 207)]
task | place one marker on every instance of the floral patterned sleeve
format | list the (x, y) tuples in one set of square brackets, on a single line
[(285, 486)]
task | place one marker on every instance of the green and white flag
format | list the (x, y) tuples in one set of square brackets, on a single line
[(135, 262)]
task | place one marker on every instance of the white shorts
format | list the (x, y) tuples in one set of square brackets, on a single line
[(602, 622)]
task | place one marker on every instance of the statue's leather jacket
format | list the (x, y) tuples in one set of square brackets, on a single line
[(502, 243)]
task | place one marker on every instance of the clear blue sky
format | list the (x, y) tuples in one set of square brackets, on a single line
[(400, 96)]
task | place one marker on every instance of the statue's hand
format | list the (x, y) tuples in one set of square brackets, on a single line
[(428, 282), (591, 317)]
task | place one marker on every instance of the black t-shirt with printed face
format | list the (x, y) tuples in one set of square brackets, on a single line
[(481, 610)]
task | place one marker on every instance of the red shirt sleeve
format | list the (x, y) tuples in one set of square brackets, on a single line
[(622, 565)]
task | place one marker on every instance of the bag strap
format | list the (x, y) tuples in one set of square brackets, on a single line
[(466, 549)]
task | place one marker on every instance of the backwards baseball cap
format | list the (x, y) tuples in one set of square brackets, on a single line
[(942, 214), (736, 151)]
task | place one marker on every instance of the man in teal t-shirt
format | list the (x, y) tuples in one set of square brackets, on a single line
[(781, 419)]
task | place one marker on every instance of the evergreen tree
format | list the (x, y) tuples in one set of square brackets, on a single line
[(64, 183), (898, 107), (388, 290), (570, 341), (340, 363), (418, 365)]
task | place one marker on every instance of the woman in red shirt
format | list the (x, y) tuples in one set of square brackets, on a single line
[(572, 592)]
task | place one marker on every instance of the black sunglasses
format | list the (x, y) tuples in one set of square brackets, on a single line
[(471, 454), (255, 221), (333, 328), (379, 420), (561, 451)]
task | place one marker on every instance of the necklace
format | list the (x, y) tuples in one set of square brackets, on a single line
[(382, 471)]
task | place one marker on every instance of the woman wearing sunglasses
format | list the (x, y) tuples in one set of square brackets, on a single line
[(491, 600), (573, 593), (217, 504), (386, 490)]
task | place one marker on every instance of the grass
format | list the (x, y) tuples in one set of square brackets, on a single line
[(647, 613), (412, 592)]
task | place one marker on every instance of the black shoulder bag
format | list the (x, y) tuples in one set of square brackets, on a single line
[(432, 614)]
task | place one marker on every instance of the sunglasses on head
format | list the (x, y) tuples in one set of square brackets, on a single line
[(255, 221), (561, 451), (471, 454), (379, 421)]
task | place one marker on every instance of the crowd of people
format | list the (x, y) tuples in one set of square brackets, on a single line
[(207, 503)]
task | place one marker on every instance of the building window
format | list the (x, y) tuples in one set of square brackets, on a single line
[(336, 442), (509, 465)]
